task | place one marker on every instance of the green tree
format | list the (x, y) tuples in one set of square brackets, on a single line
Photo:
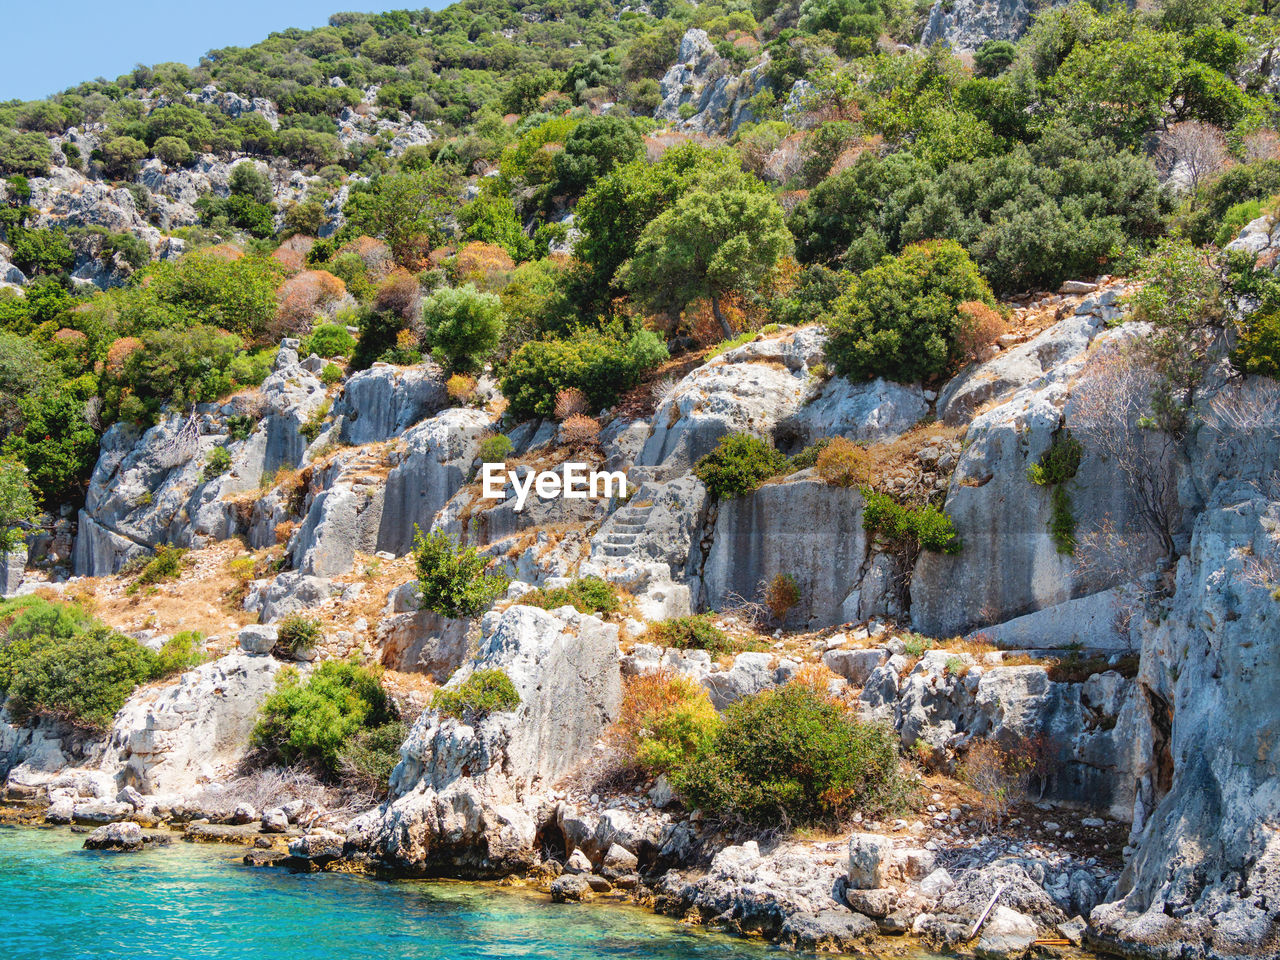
[(602, 364), (899, 319), (1181, 297), (463, 326), (594, 148), (248, 181), (17, 505), (404, 209), (56, 442), (993, 57), (26, 153), (120, 155), (711, 241)]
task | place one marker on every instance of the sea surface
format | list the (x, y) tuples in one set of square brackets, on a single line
[(60, 902)]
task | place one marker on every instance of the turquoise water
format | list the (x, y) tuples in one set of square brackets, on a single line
[(193, 900)]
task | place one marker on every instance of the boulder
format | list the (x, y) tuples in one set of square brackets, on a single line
[(1006, 934), (867, 855), (124, 836), (829, 931), (320, 845)]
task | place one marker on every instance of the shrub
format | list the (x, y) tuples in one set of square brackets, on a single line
[(452, 581), (842, 463), (697, 632), (297, 633), (216, 463), (494, 448), (302, 297), (915, 644), (172, 150), (900, 319), (329, 340), (1258, 348), (808, 457), (482, 693), (1001, 778), (330, 374), (570, 402), (460, 387), (738, 464), (579, 431), (84, 678), (180, 653), (924, 527), (781, 594), (463, 326), (17, 505), (601, 365), (977, 328), (180, 367), (589, 594), (240, 426), (1059, 462), (367, 759), (313, 722), (165, 565), (315, 422), (666, 720), (791, 757), (1056, 466)]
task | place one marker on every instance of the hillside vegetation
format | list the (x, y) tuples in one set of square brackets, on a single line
[(567, 192)]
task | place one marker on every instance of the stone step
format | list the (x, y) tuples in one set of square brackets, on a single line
[(627, 528), (616, 549), (623, 538)]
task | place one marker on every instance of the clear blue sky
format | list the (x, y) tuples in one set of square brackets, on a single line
[(50, 45)]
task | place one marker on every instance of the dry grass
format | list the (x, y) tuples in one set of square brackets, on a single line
[(884, 459)]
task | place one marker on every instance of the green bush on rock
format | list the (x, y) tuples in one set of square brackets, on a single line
[(899, 319), (738, 464), (792, 757), (482, 693), (452, 581), (315, 721)]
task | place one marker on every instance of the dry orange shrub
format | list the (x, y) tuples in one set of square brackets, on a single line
[(486, 265), (579, 430), (119, 352), (979, 327), (374, 254), (569, 402), (842, 463), (302, 297), (400, 294), (222, 251)]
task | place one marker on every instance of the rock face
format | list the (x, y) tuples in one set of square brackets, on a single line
[(466, 795), (749, 388), (1090, 732), (701, 78), (195, 729), (1010, 564), (967, 24), (1205, 880), (803, 528)]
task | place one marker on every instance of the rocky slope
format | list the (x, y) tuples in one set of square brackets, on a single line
[(1123, 752)]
